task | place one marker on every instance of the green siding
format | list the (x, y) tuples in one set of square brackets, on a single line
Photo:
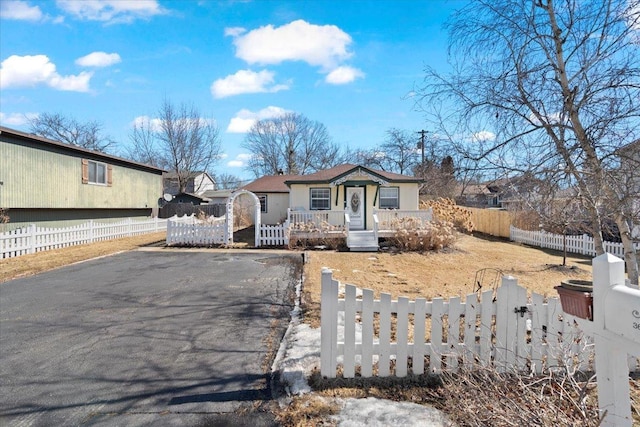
[(46, 178)]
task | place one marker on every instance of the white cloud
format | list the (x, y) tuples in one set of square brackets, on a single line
[(246, 81), (343, 75), (245, 119), (33, 70), (112, 11), (99, 59), (155, 125), (483, 135), (17, 119), (240, 161), (234, 31), (318, 45), (20, 11)]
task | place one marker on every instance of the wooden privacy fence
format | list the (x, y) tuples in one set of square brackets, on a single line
[(580, 244), (510, 332), (32, 239), (491, 221)]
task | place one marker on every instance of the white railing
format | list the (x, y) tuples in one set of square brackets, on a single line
[(315, 221), (347, 226), (580, 244), (189, 231), (274, 235), (376, 226), (32, 239), (395, 219), (508, 332)]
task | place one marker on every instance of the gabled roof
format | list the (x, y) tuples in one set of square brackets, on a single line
[(217, 194), (61, 147), (269, 184), (337, 174), (192, 175)]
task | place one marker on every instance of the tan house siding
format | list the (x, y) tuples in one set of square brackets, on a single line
[(277, 204), (408, 195)]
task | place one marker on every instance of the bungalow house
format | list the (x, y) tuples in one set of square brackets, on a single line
[(53, 184), (358, 202), (273, 193)]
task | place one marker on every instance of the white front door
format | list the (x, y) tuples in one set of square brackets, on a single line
[(355, 207)]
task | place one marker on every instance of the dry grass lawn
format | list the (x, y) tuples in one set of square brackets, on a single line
[(451, 272), (446, 273), (27, 265)]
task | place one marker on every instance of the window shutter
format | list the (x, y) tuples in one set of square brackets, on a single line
[(85, 171), (109, 175)]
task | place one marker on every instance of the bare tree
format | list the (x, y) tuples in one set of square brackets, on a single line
[(544, 85), (226, 181), (291, 144), (66, 129), (399, 152), (179, 140)]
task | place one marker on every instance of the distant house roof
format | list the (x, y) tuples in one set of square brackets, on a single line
[(217, 194), (52, 145), (174, 175), (270, 184), (335, 174)]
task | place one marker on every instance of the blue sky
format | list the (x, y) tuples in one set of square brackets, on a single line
[(350, 65)]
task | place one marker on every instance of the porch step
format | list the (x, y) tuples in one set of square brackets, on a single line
[(363, 241)]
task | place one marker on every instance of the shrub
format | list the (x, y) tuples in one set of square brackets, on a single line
[(428, 236), (447, 210)]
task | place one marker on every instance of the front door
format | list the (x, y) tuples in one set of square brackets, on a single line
[(355, 207)]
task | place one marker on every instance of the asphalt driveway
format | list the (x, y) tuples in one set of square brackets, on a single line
[(164, 337)]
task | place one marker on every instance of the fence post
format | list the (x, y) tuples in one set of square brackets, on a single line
[(328, 324), (611, 357), (90, 231), (32, 238)]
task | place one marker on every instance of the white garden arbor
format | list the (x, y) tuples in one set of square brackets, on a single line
[(228, 237)]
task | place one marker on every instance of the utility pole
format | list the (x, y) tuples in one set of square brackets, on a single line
[(421, 143)]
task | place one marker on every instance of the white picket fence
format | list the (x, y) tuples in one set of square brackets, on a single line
[(189, 231), (274, 235), (32, 239), (510, 332), (580, 244)]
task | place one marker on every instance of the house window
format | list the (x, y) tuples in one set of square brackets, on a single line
[(389, 198), (320, 199), (263, 203), (96, 172)]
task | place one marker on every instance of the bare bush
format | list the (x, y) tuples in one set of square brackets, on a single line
[(447, 210), (412, 234)]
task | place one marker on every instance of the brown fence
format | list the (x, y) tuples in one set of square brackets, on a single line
[(491, 221), (180, 209)]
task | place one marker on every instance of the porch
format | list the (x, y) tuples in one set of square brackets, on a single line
[(337, 224)]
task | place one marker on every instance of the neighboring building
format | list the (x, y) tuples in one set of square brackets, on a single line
[(197, 183), (53, 184), (217, 197), (189, 198)]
